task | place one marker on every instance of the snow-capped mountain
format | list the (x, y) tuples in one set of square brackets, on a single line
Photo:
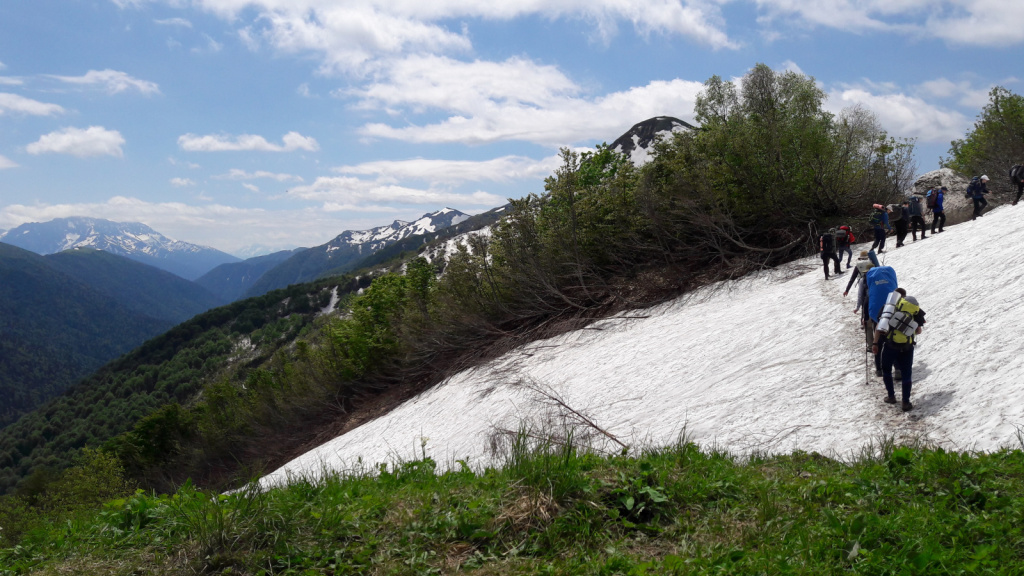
[(349, 248), (638, 139), (130, 239)]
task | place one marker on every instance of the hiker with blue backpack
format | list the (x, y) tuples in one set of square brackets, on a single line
[(881, 282), (865, 262), (900, 321), (977, 190), (880, 222), (935, 201), (916, 216)]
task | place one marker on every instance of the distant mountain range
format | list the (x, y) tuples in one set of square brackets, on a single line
[(233, 280), (130, 239), (348, 249)]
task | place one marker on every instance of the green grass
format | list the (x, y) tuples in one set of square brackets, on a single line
[(556, 510)]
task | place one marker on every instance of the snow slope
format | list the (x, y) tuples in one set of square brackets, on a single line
[(773, 362)]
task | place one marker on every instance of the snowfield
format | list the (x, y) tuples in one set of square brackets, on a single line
[(772, 362)]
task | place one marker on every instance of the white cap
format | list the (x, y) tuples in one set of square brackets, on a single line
[(983, 177)]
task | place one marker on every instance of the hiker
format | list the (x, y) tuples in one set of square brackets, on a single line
[(916, 216), (976, 191), (901, 219), (880, 221), (881, 281), (935, 202), (864, 263), (844, 238), (827, 244), (900, 321), (1017, 179)]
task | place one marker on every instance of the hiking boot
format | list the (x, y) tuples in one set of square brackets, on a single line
[(889, 400), (907, 406)]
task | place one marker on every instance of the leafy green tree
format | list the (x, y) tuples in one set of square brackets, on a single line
[(995, 143)]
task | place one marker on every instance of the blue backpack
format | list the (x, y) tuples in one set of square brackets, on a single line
[(881, 282)]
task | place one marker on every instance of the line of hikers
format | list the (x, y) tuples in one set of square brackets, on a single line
[(891, 319)]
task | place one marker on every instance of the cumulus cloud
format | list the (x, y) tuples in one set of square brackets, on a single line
[(179, 22), (963, 92), (238, 174), (246, 142), (904, 115), (512, 100), (15, 103), (93, 141), (182, 182), (346, 193), (112, 81), (6, 163), (454, 172)]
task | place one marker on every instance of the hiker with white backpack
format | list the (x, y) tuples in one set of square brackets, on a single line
[(899, 323)]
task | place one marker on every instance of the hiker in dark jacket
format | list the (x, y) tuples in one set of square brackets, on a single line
[(900, 321), (901, 222), (939, 212), (1017, 179), (916, 216), (827, 245), (978, 189), (864, 264), (880, 221)]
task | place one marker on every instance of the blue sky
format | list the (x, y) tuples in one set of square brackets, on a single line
[(280, 123)]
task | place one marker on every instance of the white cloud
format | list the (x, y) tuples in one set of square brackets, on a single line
[(93, 141), (963, 92), (250, 187), (212, 46), (350, 36), (904, 115), (238, 174), (8, 81), (974, 22), (180, 22), (112, 81), (6, 163), (246, 142), (513, 100), (182, 182), (14, 103), (454, 172), (344, 192)]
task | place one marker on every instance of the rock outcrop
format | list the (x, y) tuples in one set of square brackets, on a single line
[(954, 182)]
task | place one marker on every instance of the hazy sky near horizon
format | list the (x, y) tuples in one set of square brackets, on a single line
[(281, 123)]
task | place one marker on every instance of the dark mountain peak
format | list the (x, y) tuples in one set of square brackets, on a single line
[(636, 141)]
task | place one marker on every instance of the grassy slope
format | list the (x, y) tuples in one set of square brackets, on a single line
[(678, 510)]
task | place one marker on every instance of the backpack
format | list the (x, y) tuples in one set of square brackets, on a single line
[(975, 182), (876, 218), (915, 206), (827, 243), (932, 199), (896, 213), (1017, 174), (904, 322), (881, 282)]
